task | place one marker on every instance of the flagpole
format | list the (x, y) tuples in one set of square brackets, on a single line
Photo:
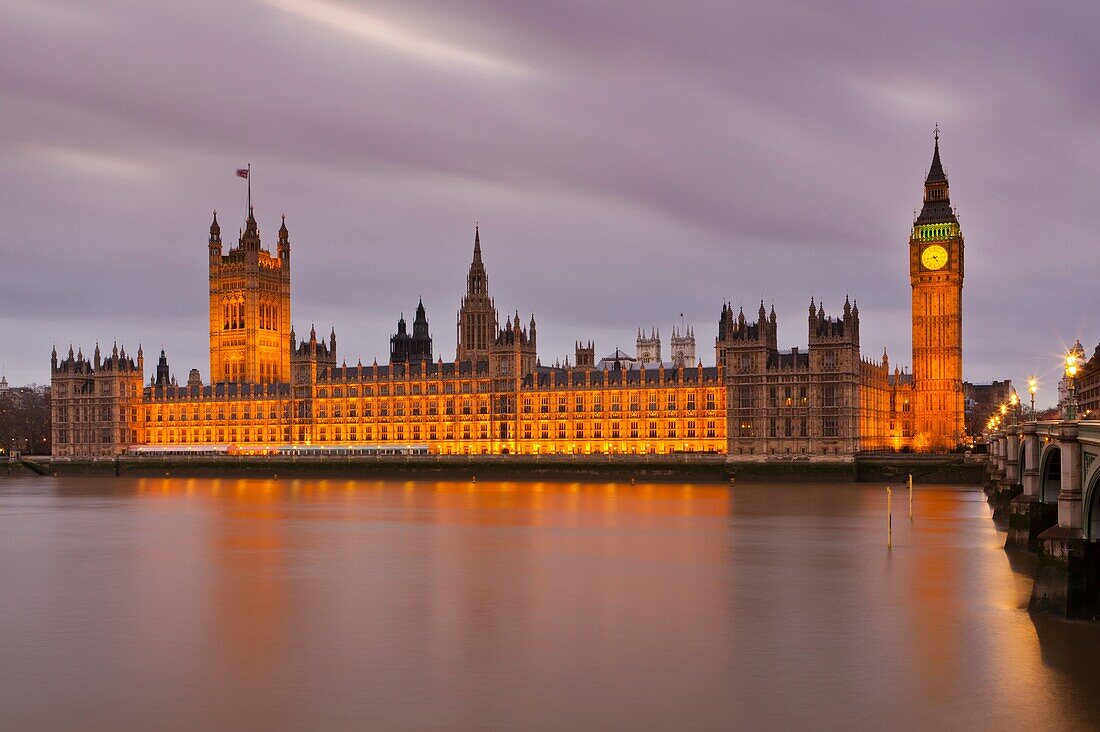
[(250, 189)]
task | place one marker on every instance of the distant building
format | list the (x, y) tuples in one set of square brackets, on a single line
[(1088, 387), (982, 400), (682, 347), (649, 347), (1063, 384)]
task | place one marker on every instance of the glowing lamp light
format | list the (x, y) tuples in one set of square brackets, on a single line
[(1013, 399), (1071, 365), (1004, 410), (1032, 385)]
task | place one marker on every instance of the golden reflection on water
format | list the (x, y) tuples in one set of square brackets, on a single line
[(337, 603)]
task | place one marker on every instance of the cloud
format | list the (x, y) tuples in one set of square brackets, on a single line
[(628, 162), (90, 162), (394, 37)]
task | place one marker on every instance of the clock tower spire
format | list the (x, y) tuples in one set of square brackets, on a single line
[(936, 277)]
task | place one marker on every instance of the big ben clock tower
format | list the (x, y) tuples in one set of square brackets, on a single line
[(936, 275)]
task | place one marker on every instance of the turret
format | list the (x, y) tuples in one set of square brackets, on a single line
[(215, 240), (95, 358), (250, 238), (283, 249), (332, 343), (163, 376), (53, 359)]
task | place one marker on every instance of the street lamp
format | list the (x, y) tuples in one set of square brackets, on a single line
[(1014, 402), (1071, 387), (1032, 387)]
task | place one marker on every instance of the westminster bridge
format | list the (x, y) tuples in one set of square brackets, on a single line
[(1049, 474)]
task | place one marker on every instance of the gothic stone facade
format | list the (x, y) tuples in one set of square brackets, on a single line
[(756, 403)]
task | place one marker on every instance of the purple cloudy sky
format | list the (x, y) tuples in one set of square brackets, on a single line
[(628, 161)]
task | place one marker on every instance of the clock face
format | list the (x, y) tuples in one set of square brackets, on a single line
[(934, 257)]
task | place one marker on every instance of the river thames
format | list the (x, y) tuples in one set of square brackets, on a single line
[(131, 603)]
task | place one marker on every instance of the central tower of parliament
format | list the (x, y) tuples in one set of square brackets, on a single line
[(266, 389)]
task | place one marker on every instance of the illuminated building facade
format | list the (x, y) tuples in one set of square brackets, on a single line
[(249, 307), (936, 277), (495, 397)]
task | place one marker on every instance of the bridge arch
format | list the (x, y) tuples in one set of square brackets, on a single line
[(1050, 473), (1091, 500)]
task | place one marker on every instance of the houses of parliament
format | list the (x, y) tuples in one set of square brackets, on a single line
[(267, 387)]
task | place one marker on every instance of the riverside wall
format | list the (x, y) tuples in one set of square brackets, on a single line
[(680, 468)]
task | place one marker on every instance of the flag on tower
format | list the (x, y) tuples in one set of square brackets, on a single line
[(242, 173)]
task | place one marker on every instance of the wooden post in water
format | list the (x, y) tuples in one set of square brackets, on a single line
[(889, 517), (910, 496)]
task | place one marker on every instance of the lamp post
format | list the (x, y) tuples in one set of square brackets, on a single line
[(1032, 387), (1071, 387), (1014, 402)]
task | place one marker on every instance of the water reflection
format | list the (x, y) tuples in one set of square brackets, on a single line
[(183, 603)]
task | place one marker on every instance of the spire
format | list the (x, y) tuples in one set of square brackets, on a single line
[(937, 199), (477, 243), (935, 172), (215, 230), (284, 238)]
